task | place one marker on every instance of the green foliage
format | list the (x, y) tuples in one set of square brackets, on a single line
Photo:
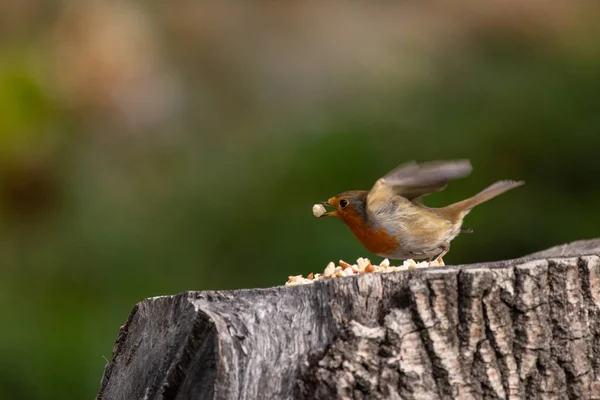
[(24, 108)]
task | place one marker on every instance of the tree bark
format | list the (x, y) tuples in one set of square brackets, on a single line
[(519, 329)]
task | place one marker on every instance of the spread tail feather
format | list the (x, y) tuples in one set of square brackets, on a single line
[(496, 189)]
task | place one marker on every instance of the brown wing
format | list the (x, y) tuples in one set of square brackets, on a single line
[(412, 180)]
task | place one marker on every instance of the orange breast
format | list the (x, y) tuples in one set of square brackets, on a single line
[(376, 241)]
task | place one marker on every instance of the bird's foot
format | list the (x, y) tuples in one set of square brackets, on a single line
[(438, 262)]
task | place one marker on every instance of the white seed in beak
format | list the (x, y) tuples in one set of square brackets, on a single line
[(318, 210)]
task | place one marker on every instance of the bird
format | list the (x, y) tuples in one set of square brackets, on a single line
[(391, 221)]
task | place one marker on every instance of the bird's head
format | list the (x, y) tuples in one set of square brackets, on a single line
[(347, 205)]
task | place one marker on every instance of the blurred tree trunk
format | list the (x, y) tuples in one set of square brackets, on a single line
[(526, 328)]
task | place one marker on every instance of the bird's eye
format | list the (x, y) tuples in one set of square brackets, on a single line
[(343, 204)]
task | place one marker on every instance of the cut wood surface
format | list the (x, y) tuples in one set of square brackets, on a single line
[(527, 328)]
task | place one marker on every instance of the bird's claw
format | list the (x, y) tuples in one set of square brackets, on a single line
[(439, 261)]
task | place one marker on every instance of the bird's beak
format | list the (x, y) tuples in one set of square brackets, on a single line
[(330, 213)]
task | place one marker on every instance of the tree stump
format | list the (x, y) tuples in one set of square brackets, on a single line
[(527, 328)]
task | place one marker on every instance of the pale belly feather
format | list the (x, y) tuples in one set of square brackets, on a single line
[(421, 233)]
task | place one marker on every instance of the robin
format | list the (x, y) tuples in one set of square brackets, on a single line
[(391, 221)]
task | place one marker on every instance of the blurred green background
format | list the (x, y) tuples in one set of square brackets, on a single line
[(149, 148)]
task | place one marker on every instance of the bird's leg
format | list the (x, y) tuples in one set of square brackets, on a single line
[(445, 249)]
